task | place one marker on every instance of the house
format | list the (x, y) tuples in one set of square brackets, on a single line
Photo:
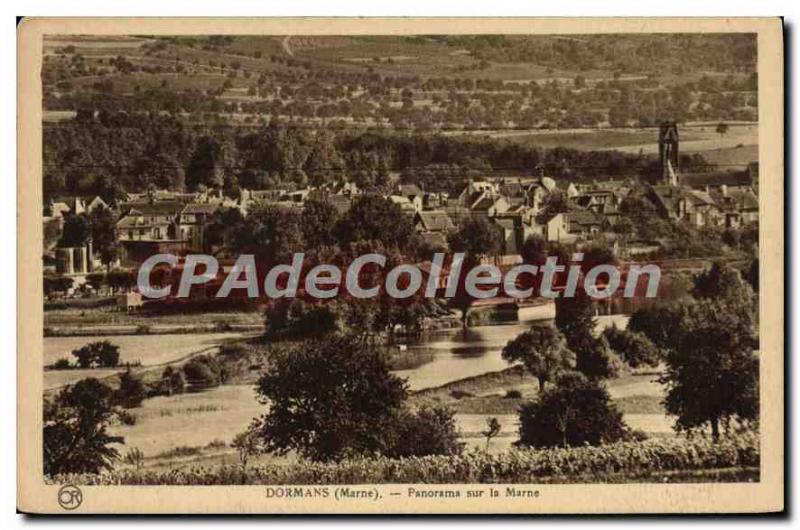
[(433, 221), (149, 221), (738, 206), (147, 228), (551, 226), (700, 209), (60, 206), (668, 200), (584, 223), (512, 233), (192, 222), (406, 205), (490, 206)]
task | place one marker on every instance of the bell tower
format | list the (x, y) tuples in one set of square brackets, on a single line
[(668, 152)]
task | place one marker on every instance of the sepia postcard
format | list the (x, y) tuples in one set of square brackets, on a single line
[(400, 266)]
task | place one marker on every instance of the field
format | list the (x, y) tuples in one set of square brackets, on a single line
[(737, 147), (166, 423), (149, 350)]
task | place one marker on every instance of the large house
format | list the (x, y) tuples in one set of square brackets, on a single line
[(147, 228)]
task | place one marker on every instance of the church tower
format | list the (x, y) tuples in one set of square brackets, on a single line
[(668, 152)]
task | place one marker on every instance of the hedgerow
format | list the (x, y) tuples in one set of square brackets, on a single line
[(590, 464)]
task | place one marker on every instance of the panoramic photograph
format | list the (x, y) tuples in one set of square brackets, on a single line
[(297, 261)]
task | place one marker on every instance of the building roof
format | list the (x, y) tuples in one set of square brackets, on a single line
[(200, 208), (582, 217), (152, 208), (699, 198), (435, 221)]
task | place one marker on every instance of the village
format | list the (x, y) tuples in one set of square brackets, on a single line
[(170, 222)]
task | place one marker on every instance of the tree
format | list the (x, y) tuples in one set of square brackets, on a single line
[(131, 391), (712, 368), (203, 372), (269, 232), (575, 412), (97, 354), (74, 430), (492, 429), (634, 348), (594, 358), (659, 323), (207, 164), (318, 221), (543, 352), (722, 128), (722, 282), (329, 399), (75, 232), (298, 319), (57, 284), (247, 443), (477, 237), (172, 381), (575, 317), (103, 223), (374, 218)]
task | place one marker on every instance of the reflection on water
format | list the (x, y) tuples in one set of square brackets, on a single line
[(460, 353)]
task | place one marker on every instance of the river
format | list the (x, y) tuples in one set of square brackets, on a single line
[(462, 353)]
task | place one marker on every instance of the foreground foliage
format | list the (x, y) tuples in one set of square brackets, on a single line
[(641, 461)]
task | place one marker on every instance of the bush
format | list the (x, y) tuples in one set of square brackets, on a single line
[(131, 391), (97, 354), (618, 462), (577, 411), (62, 364), (172, 381), (126, 418), (634, 348), (203, 372), (513, 394), (428, 431)]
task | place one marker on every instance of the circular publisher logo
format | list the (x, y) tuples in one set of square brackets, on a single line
[(70, 497)]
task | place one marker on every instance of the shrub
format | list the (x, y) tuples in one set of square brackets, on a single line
[(428, 431), (513, 394), (634, 348), (577, 411), (134, 457), (100, 353), (203, 372), (126, 418), (131, 391), (62, 364), (172, 381)]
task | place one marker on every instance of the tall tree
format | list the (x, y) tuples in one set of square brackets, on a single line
[(712, 368), (103, 223), (329, 399), (543, 352), (75, 424), (318, 221)]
